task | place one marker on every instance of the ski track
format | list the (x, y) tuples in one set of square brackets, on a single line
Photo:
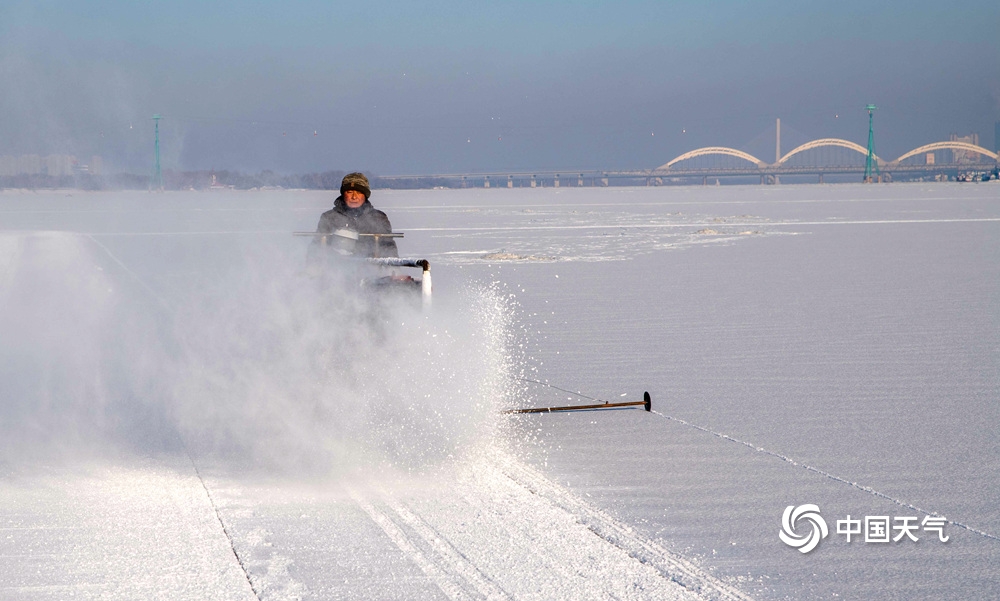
[(458, 562), (669, 565), (503, 531), (448, 569)]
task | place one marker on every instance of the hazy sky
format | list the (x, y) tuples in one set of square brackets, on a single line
[(443, 87)]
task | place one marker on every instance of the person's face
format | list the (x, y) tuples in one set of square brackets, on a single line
[(354, 199)]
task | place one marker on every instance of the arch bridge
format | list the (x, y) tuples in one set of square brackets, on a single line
[(733, 152), (713, 150), (824, 142), (827, 142)]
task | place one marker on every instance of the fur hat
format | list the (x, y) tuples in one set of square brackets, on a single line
[(356, 181)]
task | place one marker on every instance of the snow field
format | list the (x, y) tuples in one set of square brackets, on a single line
[(846, 328), (136, 530)]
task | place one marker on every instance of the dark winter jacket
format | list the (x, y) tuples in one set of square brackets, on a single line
[(365, 219)]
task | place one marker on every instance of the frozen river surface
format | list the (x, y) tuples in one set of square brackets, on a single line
[(187, 414)]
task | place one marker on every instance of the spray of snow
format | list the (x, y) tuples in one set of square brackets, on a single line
[(292, 370), (268, 367), (80, 362)]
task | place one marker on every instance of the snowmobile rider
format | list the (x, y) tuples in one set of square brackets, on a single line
[(352, 211)]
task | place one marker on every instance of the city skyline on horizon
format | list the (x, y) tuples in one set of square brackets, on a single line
[(513, 86)]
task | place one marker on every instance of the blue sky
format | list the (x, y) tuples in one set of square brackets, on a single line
[(465, 86)]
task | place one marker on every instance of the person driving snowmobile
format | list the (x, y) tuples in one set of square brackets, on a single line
[(354, 227), (353, 212)]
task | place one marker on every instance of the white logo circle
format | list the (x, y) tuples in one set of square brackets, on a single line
[(804, 543)]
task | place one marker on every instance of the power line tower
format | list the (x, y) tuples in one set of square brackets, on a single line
[(156, 182), (872, 160)]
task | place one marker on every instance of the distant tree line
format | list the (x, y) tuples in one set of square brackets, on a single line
[(205, 180)]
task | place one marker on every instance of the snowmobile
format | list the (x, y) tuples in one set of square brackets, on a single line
[(342, 245)]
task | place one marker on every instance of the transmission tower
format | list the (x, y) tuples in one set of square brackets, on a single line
[(872, 160), (156, 182)]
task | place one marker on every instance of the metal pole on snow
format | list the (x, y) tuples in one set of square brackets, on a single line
[(646, 402)]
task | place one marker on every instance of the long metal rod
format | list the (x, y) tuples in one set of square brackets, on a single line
[(646, 403)]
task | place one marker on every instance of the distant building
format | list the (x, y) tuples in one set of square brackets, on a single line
[(54, 165), (8, 166), (58, 165), (29, 164), (965, 156)]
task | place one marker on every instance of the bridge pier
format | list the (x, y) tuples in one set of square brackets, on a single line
[(555, 183), (533, 182), (510, 181), (486, 182)]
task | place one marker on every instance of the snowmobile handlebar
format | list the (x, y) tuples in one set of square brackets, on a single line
[(320, 234), (344, 239)]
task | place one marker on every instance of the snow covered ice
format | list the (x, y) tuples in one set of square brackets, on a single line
[(185, 415)]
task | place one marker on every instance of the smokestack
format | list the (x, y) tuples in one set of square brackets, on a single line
[(777, 142)]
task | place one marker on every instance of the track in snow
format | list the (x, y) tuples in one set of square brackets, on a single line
[(496, 529)]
